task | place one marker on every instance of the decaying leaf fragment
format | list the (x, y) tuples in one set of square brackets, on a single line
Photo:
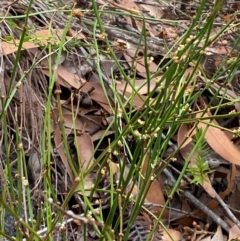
[(234, 233), (218, 140), (85, 149), (59, 144), (186, 142), (155, 192)]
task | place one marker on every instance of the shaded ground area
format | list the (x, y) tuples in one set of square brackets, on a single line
[(87, 70)]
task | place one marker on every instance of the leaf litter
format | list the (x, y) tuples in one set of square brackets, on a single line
[(81, 87)]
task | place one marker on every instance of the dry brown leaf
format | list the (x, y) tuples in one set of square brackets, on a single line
[(175, 235), (59, 143), (89, 182), (169, 33), (219, 49), (229, 133), (72, 79), (155, 192), (154, 11), (42, 36), (9, 48), (113, 166), (186, 149), (218, 236), (98, 135), (93, 109), (139, 62), (76, 35), (66, 78), (45, 35), (234, 233), (231, 175), (140, 85), (116, 173), (97, 95), (131, 6), (138, 100), (128, 6), (227, 18), (86, 149), (81, 122), (233, 200), (218, 140)]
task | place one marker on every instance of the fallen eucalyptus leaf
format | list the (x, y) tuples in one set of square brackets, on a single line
[(218, 140)]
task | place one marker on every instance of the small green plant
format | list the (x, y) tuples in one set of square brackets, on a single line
[(200, 169)]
